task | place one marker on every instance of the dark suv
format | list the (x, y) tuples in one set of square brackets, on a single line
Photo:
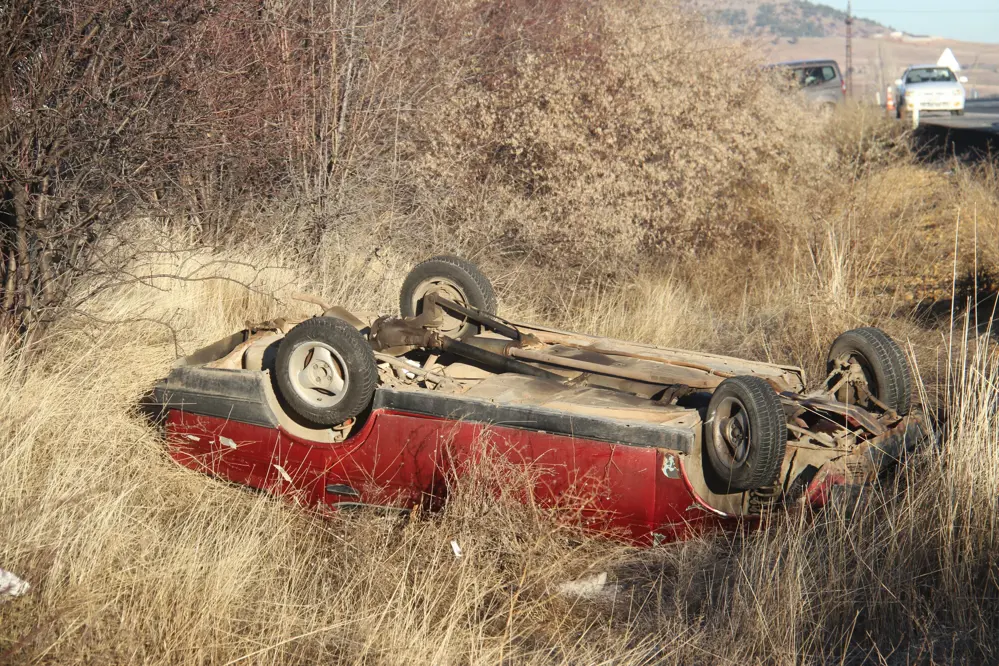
[(820, 81)]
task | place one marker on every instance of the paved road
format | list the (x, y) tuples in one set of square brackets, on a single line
[(981, 115), (973, 136)]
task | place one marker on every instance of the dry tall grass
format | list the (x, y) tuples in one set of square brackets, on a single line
[(134, 559), (567, 151)]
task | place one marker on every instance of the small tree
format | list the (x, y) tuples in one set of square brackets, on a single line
[(189, 109), (89, 119)]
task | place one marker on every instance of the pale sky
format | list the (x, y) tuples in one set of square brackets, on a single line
[(967, 20)]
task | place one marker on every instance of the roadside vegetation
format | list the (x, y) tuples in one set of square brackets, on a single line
[(170, 173)]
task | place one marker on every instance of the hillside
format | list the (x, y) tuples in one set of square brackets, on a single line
[(802, 30), (782, 18)]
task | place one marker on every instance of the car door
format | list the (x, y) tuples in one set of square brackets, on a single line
[(822, 83), (398, 460), (832, 85), (900, 88)]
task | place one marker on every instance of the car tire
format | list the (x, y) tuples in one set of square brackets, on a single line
[(883, 362), (325, 371), (745, 435), (957, 113), (456, 279)]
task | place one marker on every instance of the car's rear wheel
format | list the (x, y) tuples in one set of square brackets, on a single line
[(957, 113), (745, 435), (455, 279), (325, 371), (884, 365)]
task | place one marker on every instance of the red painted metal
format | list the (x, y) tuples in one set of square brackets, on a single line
[(406, 460)]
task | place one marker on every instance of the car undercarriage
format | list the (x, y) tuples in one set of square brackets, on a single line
[(355, 409)]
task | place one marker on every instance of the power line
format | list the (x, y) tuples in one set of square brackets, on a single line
[(930, 11)]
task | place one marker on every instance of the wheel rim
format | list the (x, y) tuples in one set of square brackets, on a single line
[(445, 288), (848, 394), (318, 374), (731, 433)]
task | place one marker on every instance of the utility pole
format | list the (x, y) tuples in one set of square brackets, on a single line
[(849, 49)]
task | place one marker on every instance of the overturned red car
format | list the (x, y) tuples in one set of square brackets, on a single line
[(653, 444)]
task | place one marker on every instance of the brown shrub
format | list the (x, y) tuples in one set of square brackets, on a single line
[(797, 230), (191, 113), (637, 144)]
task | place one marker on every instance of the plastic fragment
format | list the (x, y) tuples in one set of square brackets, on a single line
[(11, 585)]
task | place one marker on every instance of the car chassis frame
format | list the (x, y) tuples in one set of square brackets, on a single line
[(618, 427)]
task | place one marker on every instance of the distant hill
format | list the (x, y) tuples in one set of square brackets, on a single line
[(782, 18)]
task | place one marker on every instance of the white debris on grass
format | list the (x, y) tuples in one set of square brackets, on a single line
[(11, 585), (456, 549), (594, 588)]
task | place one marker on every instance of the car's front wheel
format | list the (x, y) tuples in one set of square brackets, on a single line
[(745, 435), (325, 371)]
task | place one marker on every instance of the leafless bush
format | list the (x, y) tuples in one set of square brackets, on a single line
[(496, 127), (190, 113), (627, 140)]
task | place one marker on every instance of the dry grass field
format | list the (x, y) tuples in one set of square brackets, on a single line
[(735, 222), (135, 560)]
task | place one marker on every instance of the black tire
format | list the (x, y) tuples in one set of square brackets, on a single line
[(884, 365), (348, 355), (957, 113), (741, 460), (454, 278)]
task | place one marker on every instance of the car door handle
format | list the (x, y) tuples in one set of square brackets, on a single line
[(341, 489)]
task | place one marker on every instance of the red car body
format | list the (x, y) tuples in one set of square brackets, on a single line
[(632, 479), (403, 460)]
